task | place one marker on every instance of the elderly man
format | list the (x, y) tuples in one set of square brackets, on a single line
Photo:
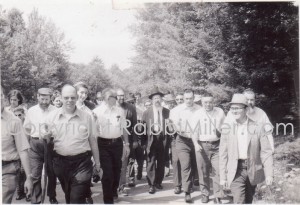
[(156, 140), (73, 135), (245, 153), (131, 116), (206, 141), (112, 136), (14, 148), (38, 152), (179, 98), (180, 117)]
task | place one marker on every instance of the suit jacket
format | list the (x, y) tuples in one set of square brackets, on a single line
[(130, 113), (260, 159), (148, 119)]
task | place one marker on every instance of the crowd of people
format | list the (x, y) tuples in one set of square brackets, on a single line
[(79, 141)]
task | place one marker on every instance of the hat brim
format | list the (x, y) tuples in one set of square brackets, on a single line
[(238, 103), (158, 93)]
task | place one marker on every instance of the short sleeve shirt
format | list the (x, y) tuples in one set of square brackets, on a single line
[(70, 132), (13, 138)]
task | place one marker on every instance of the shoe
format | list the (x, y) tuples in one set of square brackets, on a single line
[(116, 197), (188, 198), (123, 192), (89, 200), (20, 196), (204, 199), (218, 200), (53, 200), (151, 190), (177, 190), (131, 183), (28, 198), (196, 182), (158, 186)]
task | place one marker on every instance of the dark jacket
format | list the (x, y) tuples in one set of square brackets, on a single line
[(130, 113), (148, 119)]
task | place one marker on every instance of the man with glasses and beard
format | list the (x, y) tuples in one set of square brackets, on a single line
[(35, 117), (154, 119), (245, 153)]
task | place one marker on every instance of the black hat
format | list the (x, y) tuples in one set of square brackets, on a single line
[(130, 97), (155, 91)]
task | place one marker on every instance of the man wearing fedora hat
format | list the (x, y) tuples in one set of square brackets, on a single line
[(245, 153), (154, 119), (35, 117), (130, 114)]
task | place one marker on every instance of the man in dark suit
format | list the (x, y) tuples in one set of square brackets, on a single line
[(156, 140)]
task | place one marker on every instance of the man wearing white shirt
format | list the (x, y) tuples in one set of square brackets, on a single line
[(73, 136), (206, 141), (245, 153), (112, 134), (35, 117), (180, 117)]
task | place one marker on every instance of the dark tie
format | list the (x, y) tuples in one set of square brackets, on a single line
[(158, 118)]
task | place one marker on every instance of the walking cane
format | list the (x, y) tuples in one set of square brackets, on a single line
[(44, 187)]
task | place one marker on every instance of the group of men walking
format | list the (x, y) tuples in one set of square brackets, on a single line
[(74, 139)]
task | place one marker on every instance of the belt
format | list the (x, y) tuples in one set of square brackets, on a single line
[(209, 142), (73, 157), (182, 137), (8, 162), (109, 140)]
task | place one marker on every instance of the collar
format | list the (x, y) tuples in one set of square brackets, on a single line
[(157, 109), (245, 123), (77, 112)]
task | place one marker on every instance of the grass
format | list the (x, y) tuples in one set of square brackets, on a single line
[(286, 186)]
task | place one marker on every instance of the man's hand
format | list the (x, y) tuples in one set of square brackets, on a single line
[(269, 181), (135, 144), (28, 186), (46, 135), (198, 147), (127, 150)]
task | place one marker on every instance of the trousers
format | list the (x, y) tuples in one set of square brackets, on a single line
[(241, 188), (208, 161), (37, 153), (74, 174), (9, 181), (110, 159), (186, 153)]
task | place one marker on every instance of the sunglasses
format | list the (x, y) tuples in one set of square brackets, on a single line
[(18, 115)]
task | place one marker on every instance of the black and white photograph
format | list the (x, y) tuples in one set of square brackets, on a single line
[(149, 102)]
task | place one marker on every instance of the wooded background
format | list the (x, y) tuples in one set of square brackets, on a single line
[(219, 47)]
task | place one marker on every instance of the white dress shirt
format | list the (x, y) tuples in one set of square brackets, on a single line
[(208, 123), (242, 137), (110, 121), (35, 118), (181, 117)]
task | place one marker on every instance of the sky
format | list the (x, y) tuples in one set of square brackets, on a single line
[(92, 27)]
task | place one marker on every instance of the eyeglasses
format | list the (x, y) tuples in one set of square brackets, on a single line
[(236, 108), (18, 115), (178, 99)]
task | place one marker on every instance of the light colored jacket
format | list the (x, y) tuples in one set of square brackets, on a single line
[(260, 159)]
